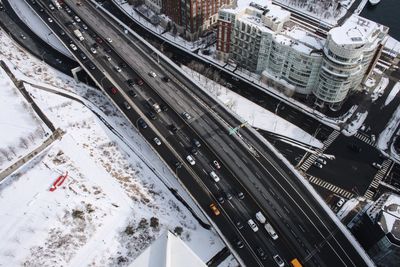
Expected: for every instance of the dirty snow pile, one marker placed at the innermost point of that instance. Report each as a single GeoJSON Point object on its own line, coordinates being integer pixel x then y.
{"type": "Point", "coordinates": [114, 201]}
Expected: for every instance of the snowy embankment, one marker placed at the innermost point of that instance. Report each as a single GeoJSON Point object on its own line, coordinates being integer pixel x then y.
{"type": "Point", "coordinates": [114, 201]}
{"type": "Point", "coordinates": [21, 129]}
{"type": "Point", "coordinates": [27, 15]}
{"type": "Point", "coordinates": [254, 114]}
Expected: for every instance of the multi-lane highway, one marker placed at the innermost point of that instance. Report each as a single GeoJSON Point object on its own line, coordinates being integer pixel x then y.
{"type": "Point", "coordinates": [119, 61]}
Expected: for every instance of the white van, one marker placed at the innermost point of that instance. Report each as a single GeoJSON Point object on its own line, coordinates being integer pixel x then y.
{"type": "Point", "coordinates": [260, 217]}
{"type": "Point", "coordinates": [271, 231]}
{"type": "Point", "coordinates": [214, 176]}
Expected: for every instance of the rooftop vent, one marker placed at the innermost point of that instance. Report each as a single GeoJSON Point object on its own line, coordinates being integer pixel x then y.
{"type": "Point", "coordinates": [356, 39]}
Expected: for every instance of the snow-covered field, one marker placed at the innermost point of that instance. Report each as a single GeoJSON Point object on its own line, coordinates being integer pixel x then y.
{"type": "Point", "coordinates": [114, 201]}
{"type": "Point", "coordinates": [21, 129]}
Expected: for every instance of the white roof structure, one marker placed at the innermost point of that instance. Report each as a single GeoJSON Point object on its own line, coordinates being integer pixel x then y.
{"type": "Point", "coordinates": [356, 30]}
{"type": "Point", "coordinates": [386, 210]}
{"type": "Point", "coordinates": [168, 251]}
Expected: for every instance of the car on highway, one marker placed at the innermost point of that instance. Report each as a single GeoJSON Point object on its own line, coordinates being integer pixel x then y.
{"type": "Point", "coordinates": [239, 225]}
{"type": "Point", "coordinates": [127, 106]}
{"type": "Point", "coordinates": [261, 253]}
{"type": "Point", "coordinates": [93, 50]}
{"type": "Point", "coordinates": [139, 81]}
{"type": "Point", "coordinates": [130, 82]}
{"type": "Point", "coordinates": [164, 107]}
{"type": "Point", "coordinates": [113, 90]}
{"type": "Point", "coordinates": [73, 47]}
{"type": "Point", "coordinates": [214, 176]}
{"type": "Point", "coordinates": [321, 160]}
{"type": "Point", "coordinates": [68, 10]}
{"type": "Point", "coordinates": [49, 20]}
{"type": "Point", "coordinates": [214, 209]}
{"type": "Point", "coordinates": [62, 33]}
{"type": "Point", "coordinates": [268, 227]}
{"type": "Point", "coordinates": [191, 160]}
{"type": "Point", "coordinates": [95, 45]}
{"type": "Point", "coordinates": [107, 49]}
{"type": "Point", "coordinates": [228, 195]}
{"type": "Point", "coordinates": [173, 128]}
{"type": "Point", "coordinates": [122, 65]}
{"type": "Point", "coordinates": [142, 123]}
{"type": "Point", "coordinates": [220, 199]}
{"type": "Point", "coordinates": [84, 26]}
{"type": "Point", "coordinates": [92, 66]}
{"type": "Point", "coordinates": [157, 141]}
{"type": "Point", "coordinates": [178, 164]}
{"type": "Point", "coordinates": [152, 115]}
{"type": "Point", "coordinates": [51, 7]}
{"type": "Point", "coordinates": [240, 195]}
{"type": "Point", "coordinates": [196, 142]}
{"type": "Point", "coordinates": [82, 55]}
{"type": "Point", "coordinates": [260, 217]}
{"type": "Point", "coordinates": [22, 36]}
{"type": "Point", "coordinates": [216, 164]}
{"type": "Point", "coordinates": [239, 243]}
{"type": "Point", "coordinates": [166, 79]}
{"type": "Point", "coordinates": [317, 164]}
{"type": "Point", "coordinates": [279, 260]}
{"type": "Point", "coordinates": [152, 74]}
{"type": "Point", "coordinates": [194, 151]}
{"type": "Point", "coordinates": [99, 40]}
{"type": "Point", "coordinates": [340, 202]}
{"type": "Point", "coordinates": [132, 93]}
{"type": "Point", "coordinates": [186, 115]}
{"type": "Point", "coordinates": [77, 19]}
{"type": "Point", "coordinates": [109, 39]}
{"type": "Point", "coordinates": [377, 165]}
{"type": "Point", "coordinates": [117, 69]}
{"type": "Point", "coordinates": [107, 57]}
{"type": "Point", "coordinates": [252, 225]}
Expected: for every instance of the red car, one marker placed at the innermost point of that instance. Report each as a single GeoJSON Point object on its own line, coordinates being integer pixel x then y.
{"type": "Point", "coordinates": [99, 40]}
{"type": "Point", "coordinates": [113, 90]}
{"type": "Point", "coordinates": [139, 81]}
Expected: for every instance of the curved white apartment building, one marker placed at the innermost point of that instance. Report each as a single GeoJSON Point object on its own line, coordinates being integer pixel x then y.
{"type": "Point", "coordinates": [265, 41]}
{"type": "Point", "coordinates": [348, 56]}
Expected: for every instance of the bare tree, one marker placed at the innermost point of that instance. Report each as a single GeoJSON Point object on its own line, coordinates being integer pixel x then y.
{"type": "Point", "coordinates": [12, 150]}
{"type": "Point", "coordinates": [5, 153]}
{"type": "Point", "coordinates": [23, 142]}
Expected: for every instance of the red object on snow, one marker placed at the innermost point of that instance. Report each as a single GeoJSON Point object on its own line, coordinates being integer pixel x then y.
{"type": "Point", "coordinates": [58, 182]}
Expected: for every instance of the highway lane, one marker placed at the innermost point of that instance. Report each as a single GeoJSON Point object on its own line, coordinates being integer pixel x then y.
{"type": "Point", "coordinates": [117, 98]}
{"type": "Point", "coordinates": [328, 243]}
{"type": "Point", "coordinates": [245, 162]}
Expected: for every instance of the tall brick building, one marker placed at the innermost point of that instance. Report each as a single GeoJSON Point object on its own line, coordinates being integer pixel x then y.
{"type": "Point", "coordinates": [192, 17]}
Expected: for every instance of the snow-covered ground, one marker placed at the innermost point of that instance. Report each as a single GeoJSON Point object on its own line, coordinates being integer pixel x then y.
{"type": "Point", "coordinates": [114, 201]}
{"type": "Point", "coordinates": [21, 129]}
{"type": "Point", "coordinates": [254, 114]}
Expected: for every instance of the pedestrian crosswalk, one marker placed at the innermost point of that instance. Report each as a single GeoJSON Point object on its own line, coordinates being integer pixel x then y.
{"type": "Point", "coordinates": [312, 157]}
{"type": "Point", "coordinates": [369, 194]}
{"type": "Point", "coordinates": [332, 188]}
{"type": "Point", "coordinates": [364, 138]}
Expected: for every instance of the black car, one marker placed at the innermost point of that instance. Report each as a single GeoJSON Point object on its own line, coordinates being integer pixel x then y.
{"type": "Point", "coordinates": [142, 123]}
{"type": "Point", "coordinates": [239, 243]}
{"type": "Point", "coordinates": [132, 93]}
{"type": "Point", "coordinates": [107, 49]}
{"type": "Point", "coordinates": [261, 253]}
{"type": "Point", "coordinates": [130, 82]}
{"type": "Point", "coordinates": [122, 65]}
{"type": "Point", "coordinates": [178, 164]}
{"type": "Point", "coordinates": [228, 195]}
{"type": "Point", "coordinates": [173, 128]}
{"type": "Point", "coordinates": [220, 199]}
{"type": "Point", "coordinates": [95, 45]}
{"type": "Point", "coordinates": [239, 225]}
{"type": "Point", "coordinates": [166, 79]}
{"type": "Point", "coordinates": [196, 142]}
{"type": "Point", "coordinates": [92, 66]}
{"type": "Point", "coordinates": [194, 151]}
{"type": "Point", "coordinates": [164, 107]}
{"type": "Point", "coordinates": [62, 32]}
{"type": "Point", "coordinates": [82, 55]}
{"type": "Point", "coordinates": [152, 115]}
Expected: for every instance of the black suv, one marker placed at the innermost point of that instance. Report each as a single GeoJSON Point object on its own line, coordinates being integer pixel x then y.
{"type": "Point", "coordinates": [142, 123]}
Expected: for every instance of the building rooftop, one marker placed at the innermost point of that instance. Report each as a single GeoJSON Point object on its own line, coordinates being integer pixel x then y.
{"type": "Point", "coordinates": [390, 219]}
{"type": "Point", "coordinates": [301, 40]}
{"type": "Point", "coordinates": [355, 30]}
{"type": "Point", "coordinates": [168, 251]}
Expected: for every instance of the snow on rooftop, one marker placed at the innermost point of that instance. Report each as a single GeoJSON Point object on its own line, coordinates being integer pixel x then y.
{"type": "Point", "coordinates": [310, 40]}
{"type": "Point", "coordinates": [390, 219]}
{"type": "Point", "coordinates": [168, 251]}
{"type": "Point", "coordinates": [355, 30]}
